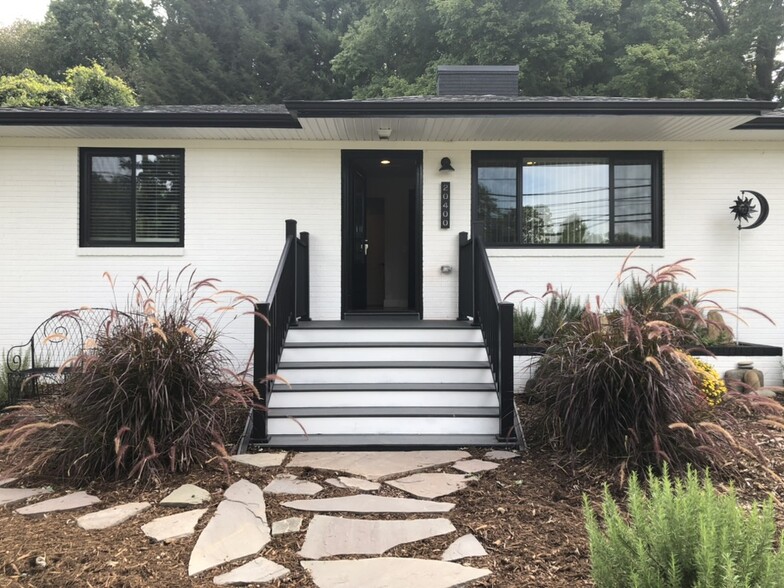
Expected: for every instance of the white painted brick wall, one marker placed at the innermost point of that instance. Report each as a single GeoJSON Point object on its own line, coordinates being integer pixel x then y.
{"type": "Point", "coordinates": [238, 195]}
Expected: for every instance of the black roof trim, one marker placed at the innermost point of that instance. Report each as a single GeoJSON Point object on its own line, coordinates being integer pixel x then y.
{"type": "Point", "coordinates": [762, 123]}
{"type": "Point", "coordinates": [61, 118]}
{"type": "Point", "coordinates": [487, 106]}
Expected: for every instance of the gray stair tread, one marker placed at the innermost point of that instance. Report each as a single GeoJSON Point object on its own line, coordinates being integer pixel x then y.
{"type": "Point", "coordinates": [360, 345]}
{"type": "Point", "coordinates": [384, 411]}
{"type": "Point", "coordinates": [308, 365]}
{"type": "Point", "coordinates": [366, 442]}
{"type": "Point", "coordinates": [385, 387]}
{"type": "Point", "coordinates": [384, 323]}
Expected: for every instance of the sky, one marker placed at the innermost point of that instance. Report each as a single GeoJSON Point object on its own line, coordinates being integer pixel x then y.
{"type": "Point", "coordinates": [11, 10]}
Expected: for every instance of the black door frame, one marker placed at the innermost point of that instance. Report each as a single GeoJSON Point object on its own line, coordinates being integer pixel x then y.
{"type": "Point", "coordinates": [415, 272]}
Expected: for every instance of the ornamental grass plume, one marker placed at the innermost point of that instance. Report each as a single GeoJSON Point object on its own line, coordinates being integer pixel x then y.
{"type": "Point", "coordinates": [619, 385]}
{"type": "Point", "coordinates": [156, 393]}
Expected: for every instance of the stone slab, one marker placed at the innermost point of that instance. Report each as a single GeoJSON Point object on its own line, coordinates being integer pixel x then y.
{"type": "Point", "coordinates": [187, 495]}
{"type": "Point", "coordinates": [431, 485]}
{"type": "Point", "coordinates": [375, 465]}
{"type": "Point", "coordinates": [260, 460]}
{"type": "Point", "coordinates": [174, 526]}
{"type": "Point", "coordinates": [368, 503]}
{"type": "Point", "coordinates": [111, 517]}
{"type": "Point", "coordinates": [238, 529]}
{"type": "Point", "coordinates": [6, 481]}
{"type": "Point", "coordinates": [12, 495]}
{"type": "Point", "coordinates": [254, 572]}
{"type": "Point", "coordinates": [473, 466]}
{"type": "Point", "coordinates": [329, 536]}
{"type": "Point", "coordinates": [465, 546]}
{"type": "Point", "coordinates": [353, 484]}
{"type": "Point", "coordinates": [291, 525]}
{"type": "Point", "coordinates": [68, 502]}
{"type": "Point", "coordinates": [292, 485]}
{"type": "Point", "coordinates": [392, 572]}
{"type": "Point", "coordinates": [499, 455]}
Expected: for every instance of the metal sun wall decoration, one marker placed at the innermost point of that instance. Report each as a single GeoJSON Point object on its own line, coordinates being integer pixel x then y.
{"type": "Point", "coordinates": [744, 210]}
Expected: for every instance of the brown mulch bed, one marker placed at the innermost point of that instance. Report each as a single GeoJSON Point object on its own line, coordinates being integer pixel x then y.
{"type": "Point", "coordinates": [527, 514]}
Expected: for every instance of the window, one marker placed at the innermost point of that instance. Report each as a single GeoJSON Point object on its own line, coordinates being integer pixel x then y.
{"type": "Point", "coordinates": [131, 198]}
{"type": "Point", "coordinates": [572, 199]}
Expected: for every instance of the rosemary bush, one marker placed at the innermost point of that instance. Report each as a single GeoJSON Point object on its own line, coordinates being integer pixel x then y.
{"type": "Point", "coordinates": [154, 394]}
{"type": "Point", "coordinates": [683, 534]}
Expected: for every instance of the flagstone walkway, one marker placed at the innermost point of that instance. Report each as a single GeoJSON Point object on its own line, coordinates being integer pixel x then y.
{"type": "Point", "coordinates": [237, 530]}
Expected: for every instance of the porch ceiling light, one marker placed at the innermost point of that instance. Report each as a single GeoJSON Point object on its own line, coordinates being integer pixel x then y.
{"type": "Point", "coordinates": [385, 162]}
{"type": "Point", "coordinates": [446, 165]}
{"type": "Point", "coordinates": [384, 134]}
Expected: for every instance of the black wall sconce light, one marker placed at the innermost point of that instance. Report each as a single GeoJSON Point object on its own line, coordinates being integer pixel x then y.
{"type": "Point", "coordinates": [446, 165]}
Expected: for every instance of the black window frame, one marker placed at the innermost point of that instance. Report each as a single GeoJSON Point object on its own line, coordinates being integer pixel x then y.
{"type": "Point", "coordinates": [85, 174]}
{"type": "Point", "coordinates": [657, 204]}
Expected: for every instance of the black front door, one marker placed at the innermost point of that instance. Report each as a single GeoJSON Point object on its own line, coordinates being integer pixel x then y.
{"type": "Point", "coordinates": [359, 243]}
{"type": "Point", "coordinates": [382, 232]}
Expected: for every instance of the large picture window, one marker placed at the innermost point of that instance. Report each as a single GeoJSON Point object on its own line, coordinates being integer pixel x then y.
{"type": "Point", "coordinates": [131, 198]}
{"type": "Point", "coordinates": [568, 199]}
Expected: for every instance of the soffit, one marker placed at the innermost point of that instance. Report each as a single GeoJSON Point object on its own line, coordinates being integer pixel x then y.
{"type": "Point", "coordinates": [564, 128]}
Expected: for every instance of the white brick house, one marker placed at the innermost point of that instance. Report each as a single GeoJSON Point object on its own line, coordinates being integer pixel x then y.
{"type": "Point", "coordinates": [247, 169]}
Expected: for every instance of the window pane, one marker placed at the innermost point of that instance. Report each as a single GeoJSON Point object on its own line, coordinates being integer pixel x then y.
{"type": "Point", "coordinates": [633, 198]}
{"type": "Point", "coordinates": [566, 200]}
{"type": "Point", "coordinates": [158, 198]}
{"type": "Point", "coordinates": [111, 199]}
{"type": "Point", "coordinates": [497, 200]}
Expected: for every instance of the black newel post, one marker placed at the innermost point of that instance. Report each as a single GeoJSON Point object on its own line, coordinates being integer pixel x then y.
{"type": "Point", "coordinates": [261, 334]}
{"type": "Point", "coordinates": [506, 371]}
{"type": "Point", "coordinates": [303, 287]}
{"type": "Point", "coordinates": [465, 278]}
{"type": "Point", "coordinates": [291, 232]}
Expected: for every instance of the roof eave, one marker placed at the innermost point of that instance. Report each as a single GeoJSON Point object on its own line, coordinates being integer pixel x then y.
{"type": "Point", "coordinates": [148, 119]}
{"type": "Point", "coordinates": [349, 109]}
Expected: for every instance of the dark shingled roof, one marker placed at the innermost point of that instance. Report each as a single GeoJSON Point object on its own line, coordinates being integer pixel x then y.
{"type": "Point", "coordinates": [201, 115]}
{"type": "Point", "coordinates": [285, 115]}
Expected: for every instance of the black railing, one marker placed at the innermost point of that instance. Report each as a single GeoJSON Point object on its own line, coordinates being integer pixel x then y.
{"type": "Point", "coordinates": [287, 303]}
{"type": "Point", "coordinates": [478, 298]}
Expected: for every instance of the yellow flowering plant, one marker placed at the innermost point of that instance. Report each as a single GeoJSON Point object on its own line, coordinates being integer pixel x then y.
{"type": "Point", "coordinates": [710, 382]}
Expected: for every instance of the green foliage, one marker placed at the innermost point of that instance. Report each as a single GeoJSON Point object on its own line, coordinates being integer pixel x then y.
{"type": "Point", "coordinates": [83, 86]}
{"type": "Point", "coordinates": [90, 86]}
{"type": "Point", "coordinates": [154, 394]}
{"type": "Point", "coordinates": [25, 363]}
{"type": "Point", "coordinates": [22, 47]}
{"type": "Point", "coordinates": [619, 386]}
{"type": "Point", "coordinates": [31, 89]}
{"type": "Point", "coordinates": [683, 534]}
{"type": "Point", "coordinates": [558, 310]}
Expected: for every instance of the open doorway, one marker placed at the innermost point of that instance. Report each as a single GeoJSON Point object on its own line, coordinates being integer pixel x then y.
{"type": "Point", "coordinates": [382, 233]}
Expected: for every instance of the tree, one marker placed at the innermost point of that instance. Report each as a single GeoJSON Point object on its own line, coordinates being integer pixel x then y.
{"type": "Point", "coordinates": [83, 86]}
{"type": "Point", "coordinates": [738, 55]}
{"type": "Point", "coordinates": [21, 47]}
{"type": "Point", "coordinates": [91, 86]}
{"type": "Point", "coordinates": [115, 33]}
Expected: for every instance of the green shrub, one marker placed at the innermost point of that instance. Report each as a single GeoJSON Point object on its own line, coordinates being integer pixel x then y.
{"type": "Point", "coordinates": [558, 309]}
{"type": "Point", "coordinates": [154, 394]}
{"type": "Point", "coordinates": [683, 534]}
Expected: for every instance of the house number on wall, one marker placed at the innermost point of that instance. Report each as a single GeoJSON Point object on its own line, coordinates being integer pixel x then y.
{"type": "Point", "coordinates": [445, 189]}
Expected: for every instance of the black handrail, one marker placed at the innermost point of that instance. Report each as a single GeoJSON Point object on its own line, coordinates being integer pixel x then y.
{"type": "Point", "coordinates": [287, 303]}
{"type": "Point", "coordinates": [478, 297]}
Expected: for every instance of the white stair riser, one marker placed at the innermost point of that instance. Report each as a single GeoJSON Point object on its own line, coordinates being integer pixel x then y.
{"type": "Point", "coordinates": [387, 376]}
{"type": "Point", "coordinates": [282, 398]}
{"type": "Point", "coordinates": [383, 426]}
{"type": "Point", "coordinates": [331, 354]}
{"type": "Point", "coordinates": [384, 336]}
